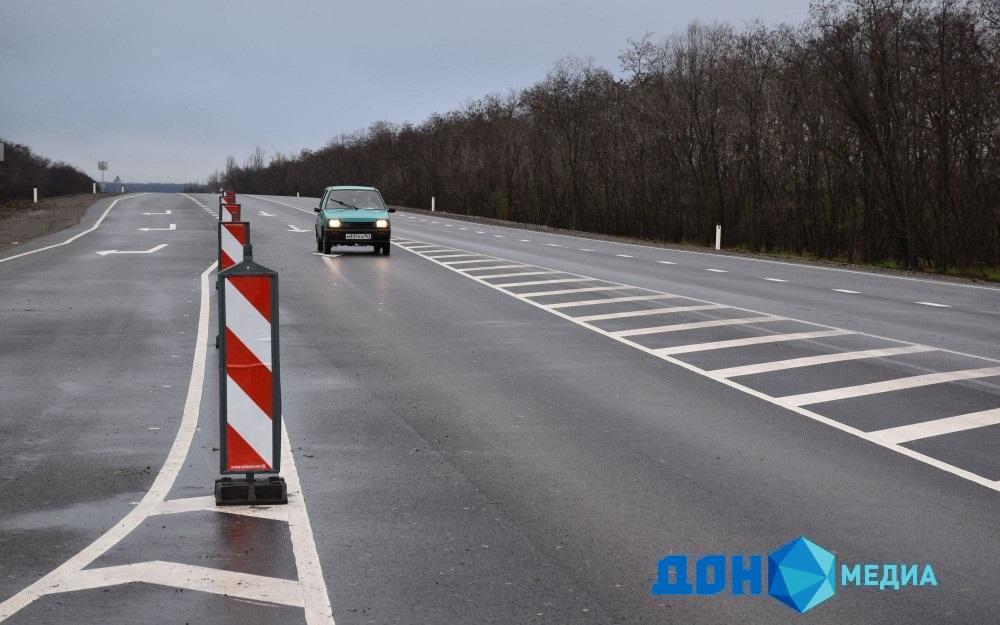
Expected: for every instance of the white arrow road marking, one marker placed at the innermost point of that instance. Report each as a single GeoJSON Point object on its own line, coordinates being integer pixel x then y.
{"type": "Point", "coordinates": [172, 227]}
{"type": "Point", "coordinates": [166, 212]}
{"type": "Point", "coordinates": [151, 250]}
{"type": "Point", "coordinates": [292, 228]}
{"type": "Point", "coordinates": [96, 225]}
{"type": "Point", "coordinates": [265, 214]}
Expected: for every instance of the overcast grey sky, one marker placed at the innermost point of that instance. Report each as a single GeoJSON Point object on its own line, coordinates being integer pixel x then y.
{"type": "Point", "coordinates": [165, 90]}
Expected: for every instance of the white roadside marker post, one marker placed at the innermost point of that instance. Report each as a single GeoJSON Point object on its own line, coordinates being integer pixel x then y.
{"type": "Point", "coordinates": [718, 236]}
{"type": "Point", "coordinates": [34, 195]}
{"type": "Point", "coordinates": [432, 203]}
{"type": "Point", "coordinates": [93, 189]}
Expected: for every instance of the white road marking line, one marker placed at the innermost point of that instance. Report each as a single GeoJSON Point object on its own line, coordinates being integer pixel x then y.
{"type": "Point", "coordinates": [157, 492]}
{"type": "Point", "coordinates": [568, 291]}
{"type": "Point", "coordinates": [848, 291]}
{"type": "Point", "coordinates": [466, 229]}
{"type": "Point", "coordinates": [934, 304]}
{"type": "Point", "coordinates": [75, 236]}
{"type": "Point", "coordinates": [508, 285]}
{"type": "Point", "coordinates": [815, 416]}
{"type": "Point", "coordinates": [491, 267]}
{"type": "Point", "coordinates": [499, 236]}
{"type": "Point", "coordinates": [775, 280]}
{"type": "Point", "coordinates": [753, 340]}
{"type": "Point", "coordinates": [666, 262]}
{"type": "Point", "coordinates": [307, 564]}
{"type": "Point", "coordinates": [648, 312]}
{"type": "Point", "coordinates": [152, 250]}
{"type": "Point", "coordinates": [525, 240]}
{"type": "Point", "coordinates": [207, 504]}
{"type": "Point", "coordinates": [810, 361]}
{"type": "Point", "coordinates": [424, 247]}
{"type": "Point", "coordinates": [697, 325]}
{"type": "Point", "coordinates": [898, 384]}
{"type": "Point", "coordinates": [937, 427]}
{"type": "Point", "coordinates": [517, 273]}
{"type": "Point", "coordinates": [469, 262]}
{"type": "Point", "coordinates": [190, 577]}
{"type": "Point", "coordinates": [166, 212]}
{"type": "Point", "coordinates": [611, 300]}
{"type": "Point", "coordinates": [455, 256]}
{"type": "Point", "coordinates": [293, 228]}
{"type": "Point", "coordinates": [480, 232]}
{"type": "Point", "coordinates": [624, 256]}
{"type": "Point", "coordinates": [584, 249]}
{"type": "Point", "coordinates": [308, 591]}
{"type": "Point", "coordinates": [449, 225]}
{"type": "Point", "coordinates": [263, 214]}
{"type": "Point", "coordinates": [717, 270]}
{"type": "Point", "coordinates": [552, 245]}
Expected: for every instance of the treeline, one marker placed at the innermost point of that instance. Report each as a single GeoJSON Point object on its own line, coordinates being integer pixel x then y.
{"type": "Point", "coordinates": [871, 133]}
{"type": "Point", "coordinates": [21, 170]}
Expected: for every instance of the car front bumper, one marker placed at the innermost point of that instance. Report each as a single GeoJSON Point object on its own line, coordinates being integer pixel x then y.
{"type": "Point", "coordinates": [350, 236]}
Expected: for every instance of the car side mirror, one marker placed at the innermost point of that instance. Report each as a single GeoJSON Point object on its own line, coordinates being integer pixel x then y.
{"type": "Point", "coordinates": [391, 210]}
{"type": "Point", "coordinates": [316, 210]}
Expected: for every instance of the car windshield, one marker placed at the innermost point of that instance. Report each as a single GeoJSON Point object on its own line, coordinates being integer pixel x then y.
{"type": "Point", "coordinates": [355, 198]}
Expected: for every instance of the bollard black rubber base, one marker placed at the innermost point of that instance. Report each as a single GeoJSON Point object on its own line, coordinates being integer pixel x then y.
{"type": "Point", "coordinates": [256, 492]}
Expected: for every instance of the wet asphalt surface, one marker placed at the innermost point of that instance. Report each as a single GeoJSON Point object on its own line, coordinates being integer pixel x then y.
{"type": "Point", "coordinates": [466, 457]}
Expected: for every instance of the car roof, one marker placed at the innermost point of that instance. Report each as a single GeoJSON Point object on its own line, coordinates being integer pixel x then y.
{"type": "Point", "coordinates": [351, 188]}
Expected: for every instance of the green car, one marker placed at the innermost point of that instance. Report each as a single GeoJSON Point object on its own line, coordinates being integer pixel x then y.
{"type": "Point", "coordinates": [352, 216]}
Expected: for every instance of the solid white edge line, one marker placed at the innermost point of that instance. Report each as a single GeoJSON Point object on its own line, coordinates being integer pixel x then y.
{"type": "Point", "coordinates": [53, 581]}
{"type": "Point", "coordinates": [837, 425]}
{"type": "Point", "coordinates": [78, 234]}
{"type": "Point", "coordinates": [315, 597]}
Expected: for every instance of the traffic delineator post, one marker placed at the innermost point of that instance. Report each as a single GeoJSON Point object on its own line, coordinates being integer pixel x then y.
{"type": "Point", "coordinates": [233, 235]}
{"type": "Point", "coordinates": [250, 388]}
{"type": "Point", "coordinates": [229, 212]}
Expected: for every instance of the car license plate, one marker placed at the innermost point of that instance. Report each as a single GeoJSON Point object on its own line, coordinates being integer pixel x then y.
{"type": "Point", "coordinates": [366, 235]}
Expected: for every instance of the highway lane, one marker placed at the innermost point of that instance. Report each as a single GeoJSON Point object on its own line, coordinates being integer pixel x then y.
{"type": "Point", "coordinates": [604, 458]}
{"type": "Point", "coordinates": [470, 453]}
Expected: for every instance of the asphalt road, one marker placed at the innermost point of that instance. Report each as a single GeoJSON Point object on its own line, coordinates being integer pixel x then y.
{"type": "Point", "coordinates": [471, 450]}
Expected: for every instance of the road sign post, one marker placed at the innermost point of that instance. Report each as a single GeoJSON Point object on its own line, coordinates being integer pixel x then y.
{"type": "Point", "coordinates": [250, 388]}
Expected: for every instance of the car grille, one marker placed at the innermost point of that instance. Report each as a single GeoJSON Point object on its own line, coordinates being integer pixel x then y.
{"type": "Point", "coordinates": [363, 225]}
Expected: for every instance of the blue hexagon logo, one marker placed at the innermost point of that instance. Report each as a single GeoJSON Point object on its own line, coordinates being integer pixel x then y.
{"type": "Point", "coordinates": [801, 574]}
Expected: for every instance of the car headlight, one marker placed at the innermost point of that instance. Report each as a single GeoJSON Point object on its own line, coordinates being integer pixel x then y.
{"type": "Point", "coordinates": [333, 223]}
{"type": "Point", "coordinates": [382, 223]}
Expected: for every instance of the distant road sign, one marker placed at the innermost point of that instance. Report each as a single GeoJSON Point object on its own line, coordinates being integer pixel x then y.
{"type": "Point", "coordinates": [102, 165]}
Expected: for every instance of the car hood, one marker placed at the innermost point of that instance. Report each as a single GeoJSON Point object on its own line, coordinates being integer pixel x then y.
{"type": "Point", "coordinates": [349, 215]}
